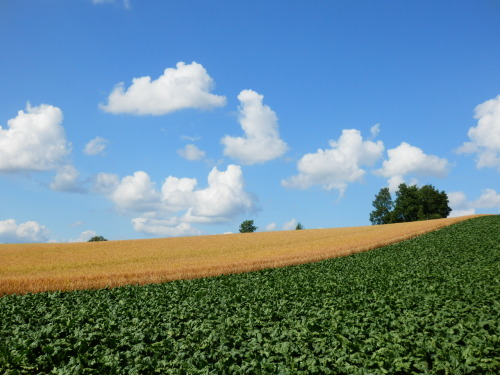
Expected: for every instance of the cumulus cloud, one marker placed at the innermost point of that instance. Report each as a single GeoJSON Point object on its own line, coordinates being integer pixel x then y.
{"type": "Point", "coordinates": [172, 209]}
{"type": "Point", "coordinates": [171, 227]}
{"type": "Point", "coordinates": [336, 167]}
{"type": "Point", "coordinates": [488, 199]}
{"type": "Point", "coordinates": [186, 86]}
{"type": "Point", "coordinates": [66, 179]}
{"type": "Point", "coordinates": [178, 194]}
{"type": "Point", "coordinates": [374, 130]}
{"type": "Point", "coordinates": [410, 160]}
{"type": "Point", "coordinates": [460, 206]}
{"type": "Point", "coordinates": [136, 193]}
{"type": "Point", "coordinates": [290, 225]}
{"type": "Point", "coordinates": [105, 183]}
{"type": "Point", "coordinates": [485, 137]}
{"type": "Point", "coordinates": [261, 141]}
{"type": "Point", "coordinates": [223, 199]}
{"type": "Point", "coordinates": [457, 201]}
{"type": "Point", "coordinates": [30, 231]}
{"type": "Point", "coordinates": [96, 146]}
{"type": "Point", "coordinates": [271, 227]}
{"type": "Point", "coordinates": [34, 140]}
{"type": "Point", "coordinates": [84, 236]}
{"type": "Point", "coordinates": [191, 152]}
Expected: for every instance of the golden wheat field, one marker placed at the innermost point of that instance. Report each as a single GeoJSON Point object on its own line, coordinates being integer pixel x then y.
{"type": "Point", "coordinates": [89, 265]}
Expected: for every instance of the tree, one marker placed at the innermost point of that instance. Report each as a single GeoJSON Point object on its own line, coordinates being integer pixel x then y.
{"type": "Point", "coordinates": [97, 239]}
{"type": "Point", "coordinates": [383, 207]}
{"type": "Point", "coordinates": [411, 204]}
{"type": "Point", "coordinates": [247, 227]}
{"type": "Point", "coordinates": [299, 226]}
{"type": "Point", "coordinates": [407, 204]}
{"type": "Point", "coordinates": [433, 203]}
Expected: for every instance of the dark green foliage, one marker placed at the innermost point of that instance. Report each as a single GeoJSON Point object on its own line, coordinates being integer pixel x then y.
{"type": "Point", "coordinates": [247, 227]}
{"type": "Point", "coordinates": [383, 208]}
{"type": "Point", "coordinates": [299, 226]}
{"type": "Point", "coordinates": [407, 204]}
{"type": "Point", "coordinates": [411, 204]}
{"type": "Point", "coordinates": [97, 238]}
{"type": "Point", "coordinates": [433, 204]}
{"type": "Point", "coordinates": [430, 305]}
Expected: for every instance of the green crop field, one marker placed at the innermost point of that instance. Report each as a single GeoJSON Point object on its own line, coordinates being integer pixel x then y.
{"type": "Point", "coordinates": [427, 305]}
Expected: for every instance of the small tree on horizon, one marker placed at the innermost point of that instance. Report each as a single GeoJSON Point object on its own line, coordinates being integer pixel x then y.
{"type": "Point", "coordinates": [247, 227]}
{"type": "Point", "coordinates": [299, 226]}
{"type": "Point", "coordinates": [97, 239]}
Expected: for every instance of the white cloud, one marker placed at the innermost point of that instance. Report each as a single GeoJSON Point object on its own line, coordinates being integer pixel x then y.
{"type": "Point", "coordinates": [394, 182]}
{"type": "Point", "coordinates": [488, 199]}
{"type": "Point", "coordinates": [30, 231]}
{"type": "Point", "coordinates": [85, 236]}
{"type": "Point", "coordinates": [460, 206]}
{"type": "Point", "coordinates": [262, 141]}
{"type": "Point", "coordinates": [485, 137]}
{"type": "Point", "coordinates": [66, 179]}
{"type": "Point", "coordinates": [172, 210]}
{"type": "Point", "coordinates": [290, 225]}
{"type": "Point", "coordinates": [410, 160]}
{"type": "Point", "coordinates": [456, 198]}
{"type": "Point", "coordinates": [375, 130]}
{"type": "Point", "coordinates": [190, 138]}
{"type": "Point", "coordinates": [223, 199]}
{"type": "Point", "coordinates": [191, 152]}
{"type": "Point", "coordinates": [105, 183]}
{"type": "Point", "coordinates": [458, 213]}
{"type": "Point", "coordinates": [177, 194]}
{"type": "Point", "coordinates": [271, 227]}
{"type": "Point", "coordinates": [34, 140]}
{"type": "Point", "coordinates": [186, 86]}
{"type": "Point", "coordinates": [171, 227]}
{"type": "Point", "coordinates": [338, 166]}
{"type": "Point", "coordinates": [136, 193]}
{"type": "Point", "coordinates": [96, 146]}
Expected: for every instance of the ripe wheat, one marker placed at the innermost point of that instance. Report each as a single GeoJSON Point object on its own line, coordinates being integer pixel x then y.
{"type": "Point", "coordinates": [90, 265]}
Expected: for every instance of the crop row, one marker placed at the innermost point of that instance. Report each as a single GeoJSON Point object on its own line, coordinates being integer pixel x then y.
{"type": "Point", "coordinates": [46, 267]}
{"type": "Point", "coordinates": [426, 305]}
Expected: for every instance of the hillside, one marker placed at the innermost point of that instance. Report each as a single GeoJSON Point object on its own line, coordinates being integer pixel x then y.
{"type": "Point", "coordinates": [427, 305]}
{"type": "Point", "coordinates": [70, 266]}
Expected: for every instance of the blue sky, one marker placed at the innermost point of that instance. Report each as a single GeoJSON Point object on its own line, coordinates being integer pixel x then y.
{"type": "Point", "coordinates": [138, 119]}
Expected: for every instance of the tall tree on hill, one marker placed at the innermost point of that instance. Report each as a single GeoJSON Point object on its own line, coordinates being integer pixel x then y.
{"type": "Point", "coordinates": [411, 204]}
{"type": "Point", "coordinates": [383, 207]}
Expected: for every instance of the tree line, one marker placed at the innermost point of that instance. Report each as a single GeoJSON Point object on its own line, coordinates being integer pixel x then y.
{"type": "Point", "coordinates": [411, 204]}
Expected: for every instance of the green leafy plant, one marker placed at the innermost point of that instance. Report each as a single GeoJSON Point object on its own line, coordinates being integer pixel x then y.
{"type": "Point", "coordinates": [428, 305]}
